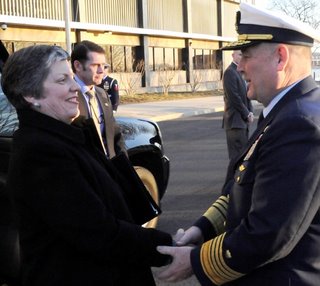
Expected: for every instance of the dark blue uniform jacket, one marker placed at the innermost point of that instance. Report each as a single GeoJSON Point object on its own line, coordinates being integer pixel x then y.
{"type": "Point", "coordinates": [271, 201]}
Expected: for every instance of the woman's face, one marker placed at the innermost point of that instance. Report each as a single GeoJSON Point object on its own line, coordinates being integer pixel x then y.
{"type": "Point", "coordinates": [60, 93]}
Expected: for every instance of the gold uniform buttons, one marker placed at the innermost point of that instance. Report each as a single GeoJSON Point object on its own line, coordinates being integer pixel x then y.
{"type": "Point", "coordinates": [242, 167]}
{"type": "Point", "coordinates": [228, 254]}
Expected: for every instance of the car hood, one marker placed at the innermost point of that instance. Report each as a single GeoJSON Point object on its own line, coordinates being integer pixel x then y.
{"type": "Point", "coordinates": [137, 132]}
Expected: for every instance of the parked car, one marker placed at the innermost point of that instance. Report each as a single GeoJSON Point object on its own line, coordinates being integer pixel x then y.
{"type": "Point", "coordinates": [144, 145]}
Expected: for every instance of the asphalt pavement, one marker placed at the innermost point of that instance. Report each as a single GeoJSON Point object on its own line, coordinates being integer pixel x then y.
{"type": "Point", "coordinates": [169, 110]}
{"type": "Point", "coordinates": [173, 109]}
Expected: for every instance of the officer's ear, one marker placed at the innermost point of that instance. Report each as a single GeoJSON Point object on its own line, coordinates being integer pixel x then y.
{"type": "Point", "coordinates": [282, 54]}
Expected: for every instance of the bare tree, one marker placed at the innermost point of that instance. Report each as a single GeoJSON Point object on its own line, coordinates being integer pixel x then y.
{"type": "Point", "coordinates": [197, 77]}
{"type": "Point", "coordinates": [307, 11]}
{"type": "Point", "coordinates": [131, 81]}
{"type": "Point", "coordinates": [166, 75]}
{"type": "Point", "coordinates": [130, 71]}
{"type": "Point", "coordinates": [304, 10]}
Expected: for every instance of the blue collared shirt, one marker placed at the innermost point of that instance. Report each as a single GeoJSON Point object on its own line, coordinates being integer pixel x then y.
{"type": "Point", "coordinates": [276, 99]}
{"type": "Point", "coordinates": [84, 90]}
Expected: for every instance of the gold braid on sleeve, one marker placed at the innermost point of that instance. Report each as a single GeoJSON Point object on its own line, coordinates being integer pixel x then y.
{"type": "Point", "coordinates": [216, 214]}
{"type": "Point", "coordinates": [213, 260]}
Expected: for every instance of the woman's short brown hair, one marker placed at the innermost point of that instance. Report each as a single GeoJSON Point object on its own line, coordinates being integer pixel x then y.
{"type": "Point", "coordinates": [26, 70]}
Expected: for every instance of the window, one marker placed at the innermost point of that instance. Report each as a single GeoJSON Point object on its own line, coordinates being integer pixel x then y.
{"type": "Point", "coordinates": [158, 58]}
{"type": "Point", "coordinates": [15, 46]}
{"type": "Point", "coordinates": [165, 58]}
{"type": "Point", "coordinates": [204, 59]}
{"type": "Point", "coordinates": [197, 59]}
{"type": "Point", "coordinates": [121, 58]}
{"type": "Point", "coordinates": [117, 58]}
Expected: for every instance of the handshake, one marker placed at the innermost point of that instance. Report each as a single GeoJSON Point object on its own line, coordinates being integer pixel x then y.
{"type": "Point", "coordinates": [180, 267]}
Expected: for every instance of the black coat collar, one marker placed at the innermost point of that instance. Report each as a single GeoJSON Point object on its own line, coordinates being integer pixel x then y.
{"type": "Point", "coordinates": [30, 118]}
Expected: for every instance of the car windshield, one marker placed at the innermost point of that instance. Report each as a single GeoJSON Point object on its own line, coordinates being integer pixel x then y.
{"type": "Point", "coordinates": [8, 116]}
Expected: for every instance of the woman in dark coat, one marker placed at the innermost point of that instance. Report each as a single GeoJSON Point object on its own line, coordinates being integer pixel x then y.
{"type": "Point", "coordinates": [75, 227]}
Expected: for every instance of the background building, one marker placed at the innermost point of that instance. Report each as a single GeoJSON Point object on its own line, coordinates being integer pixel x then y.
{"type": "Point", "coordinates": [150, 44]}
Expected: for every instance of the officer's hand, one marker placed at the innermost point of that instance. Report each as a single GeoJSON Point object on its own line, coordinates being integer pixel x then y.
{"type": "Point", "coordinates": [176, 237]}
{"type": "Point", "coordinates": [192, 235]}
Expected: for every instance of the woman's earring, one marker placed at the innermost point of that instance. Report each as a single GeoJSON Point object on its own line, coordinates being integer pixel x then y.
{"type": "Point", "coordinates": [36, 104]}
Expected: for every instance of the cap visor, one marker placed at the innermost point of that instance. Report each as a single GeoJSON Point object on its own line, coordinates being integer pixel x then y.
{"type": "Point", "coordinates": [238, 45]}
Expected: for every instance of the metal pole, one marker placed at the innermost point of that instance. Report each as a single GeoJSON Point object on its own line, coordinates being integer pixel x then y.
{"type": "Point", "coordinates": [67, 25]}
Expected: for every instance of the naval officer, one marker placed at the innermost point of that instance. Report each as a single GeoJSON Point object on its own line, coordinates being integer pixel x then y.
{"type": "Point", "coordinates": [264, 229]}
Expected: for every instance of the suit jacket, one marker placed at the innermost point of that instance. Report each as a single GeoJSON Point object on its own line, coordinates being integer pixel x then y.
{"type": "Point", "coordinates": [272, 231]}
{"type": "Point", "coordinates": [75, 227]}
{"type": "Point", "coordinates": [112, 133]}
{"type": "Point", "coordinates": [237, 105]}
{"type": "Point", "coordinates": [110, 86]}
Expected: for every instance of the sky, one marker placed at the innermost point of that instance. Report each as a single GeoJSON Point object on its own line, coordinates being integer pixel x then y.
{"type": "Point", "coordinates": [262, 3]}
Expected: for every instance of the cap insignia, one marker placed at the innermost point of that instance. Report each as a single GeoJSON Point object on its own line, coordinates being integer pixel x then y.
{"type": "Point", "coordinates": [255, 37]}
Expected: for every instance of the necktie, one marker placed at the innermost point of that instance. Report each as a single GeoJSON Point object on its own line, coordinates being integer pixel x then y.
{"type": "Point", "coordinates": [261, 117]}
{"type": "Point", "coordinates": [95, 114]}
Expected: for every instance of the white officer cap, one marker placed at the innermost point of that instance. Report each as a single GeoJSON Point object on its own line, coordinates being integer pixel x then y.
{"type": "Point", "coordinates": [255, 25]}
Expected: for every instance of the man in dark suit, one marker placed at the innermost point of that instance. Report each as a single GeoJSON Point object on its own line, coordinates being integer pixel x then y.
{"type": "Point", "coordinates": [88, 61]}
{"type": "Point", "coordinates": [264, 229]}
{"type": "Point", "coordinates": [111, 87]}
{"type": "Point", "coordinates": [237, 108]}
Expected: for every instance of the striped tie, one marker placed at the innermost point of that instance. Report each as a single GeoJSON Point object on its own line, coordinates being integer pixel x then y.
{"type": "Point", "coordinates": [95, 114]}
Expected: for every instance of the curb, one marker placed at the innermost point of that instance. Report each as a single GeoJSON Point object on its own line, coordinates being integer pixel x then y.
{"type": "Point", "coordinates": [172, 116]}
{"type": "Point", "coordinates": [162, 112]}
